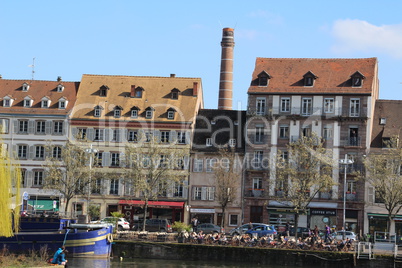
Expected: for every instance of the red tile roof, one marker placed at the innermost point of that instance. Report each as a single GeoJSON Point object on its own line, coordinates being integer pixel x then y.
{"type": "Point", "coordinates": [37, 90]}
{"type": "Point", "coordinates": [333, 75]}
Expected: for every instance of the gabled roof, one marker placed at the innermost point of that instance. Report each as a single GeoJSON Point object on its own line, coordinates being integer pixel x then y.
{"type": "Point", "coordinates": [334, 75]}
{"type": "Point", "coordinates": [37, 89]}
{"type": "Point", "coordinates": [156, 94]}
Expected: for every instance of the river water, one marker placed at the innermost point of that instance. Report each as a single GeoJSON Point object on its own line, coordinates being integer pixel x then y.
{"type": "Point", "coordinates": [154, 263]}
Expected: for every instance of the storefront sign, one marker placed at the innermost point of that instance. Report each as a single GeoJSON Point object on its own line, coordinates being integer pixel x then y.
{"type": "Point", "coordinates": [322, 212]}
{"type": "Point", "coordinates": [202, 210]}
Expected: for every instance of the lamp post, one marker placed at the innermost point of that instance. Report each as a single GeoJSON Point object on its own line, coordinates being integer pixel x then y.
{"type": "Point", "coordinates": [345, 162]}
{"type": "Point", "coordinates": [90, 151]}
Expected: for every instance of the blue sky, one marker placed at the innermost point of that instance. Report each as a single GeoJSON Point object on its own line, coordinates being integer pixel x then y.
{"type": "Point", "coordinates": [157, 38]}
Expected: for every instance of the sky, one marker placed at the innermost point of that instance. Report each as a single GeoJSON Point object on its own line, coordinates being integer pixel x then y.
{"type": "Point", "coordinates": [159, 38]}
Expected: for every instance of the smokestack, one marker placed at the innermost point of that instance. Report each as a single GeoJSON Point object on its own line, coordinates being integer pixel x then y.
{"type": "Point", "coordinates": [226, 76]}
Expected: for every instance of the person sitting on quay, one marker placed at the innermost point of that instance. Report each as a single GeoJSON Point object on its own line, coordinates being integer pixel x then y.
{"type": "Point", "coordinates": [60, 257]}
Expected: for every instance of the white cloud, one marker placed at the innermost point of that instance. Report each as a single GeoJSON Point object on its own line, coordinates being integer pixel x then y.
{"type": "Point", "coordinates": [358, 35]}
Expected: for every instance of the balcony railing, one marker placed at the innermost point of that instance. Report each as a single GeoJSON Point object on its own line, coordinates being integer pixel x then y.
{"type": "Point", "coordinates": [351, 141]}
{"type": "Point", "coordinates": [255, 192]}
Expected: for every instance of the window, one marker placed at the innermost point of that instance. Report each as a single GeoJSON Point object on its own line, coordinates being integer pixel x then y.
{"type": "Point", "coordinates": [38, 177]}
{"type": "Point", "coordinates": [57, 152]}
{"type": "Point", "coordinates": [357, 81]}
{"type": "Point", "coordinates": [132, 136]}
{"type": "Point", "coordinates": [175, 94]}
{"type": "Point", "coordinates": [45, 103]}
{"type": "Point", "coordinates": [81, 133]}
{"type": "Point", "coordinates": [258, 159]}
{"type": "Point", "coordinates": [261, 105]}
{"type": "Point", "coordinates": [170, 115]}
{"type": "Point", "coordinates": [39, 152]}
{"type": "Point", "coordinates": [210, 164]}
{"type": "Point", "coordinates": [23, 174]}
{"type": "Point", "coordinates": [163, 161]}
{"type": "Point", "coordinates": [117, 112]}
{"type": "Point", "coordinates": [4, 125]}
{"type": "Point", "coordinates": [62, 104]}
{"type": "Point", "coordinates": [233, 220]}
{"type": "Point", "coordinates": [99, 134]}
{"type": "Point", "coordinates": [60, 88]}
{"type": "Point", "coordinates": [23, 126]}
{"type": "Point", "coordinates": [351, 187]}
{"type": "Point", "coordinates": [259, 134]}
{"type": "Point", "coordinates": [307, 106]}
{"type": "Point", "coordinates": [97, 186]}
{"type": "Point", "coordinates": [22, 151]}
{"type": "Point", "coordinates": [204, 193]}
{"type": "Point", "coordinates": [308, 81]}
{"type": "Point", "coordinates": [58, 127]}
{"type": "Point", "coordinates": [178, 189]}
{"type": "Point", "coordinates": [149, 113]}
{"type": "Point", "coordinates": [7, 101]}
{"type": "Point", "coordinates": [284, 132]}
{"type": "Point", "coordinates": [98, 159]}
{"type": "Point", "coordinates": [134, 113]}
{"type": "Point", "coordinates": [40, 127]}
{"type": "Point", "coordinates": [208, 142]}
{"type": "Point", "coordinates": [263, 79]}
{"type": "Point", "coordinates": [25, 87]}
{"type": "Point", "coordinates": [285, 155]}
{"type": "Point", "coordinates": [103, 91]}
{"type": "Point", "coordinates": [165, 135]}
{"type": "Point", "coordinates": [98, 111]}
{"type": "Point", "coordinates": [329, 105]}
{"type": "Point", "coordinates": [198, 165]}
{"type": "Point", "coordinates": [138, 92]}
{"type": "Point", "coordinates": [181, 138]}
{"type": "Point", "coordinates": [306, 131]}
{"type": "Point", "coordinates": [232, 142]}
{"type": "Point", "coordinates": [27, 102]}
{"type": "Point", "coordinates": [148, 136]}
{"type": "Point", "coordinates": [257, 183]}
{"type": "Point", "coordinates": [115, 157]}
{"type": "Point", "coordinates": [114, 186]}
{"type": "Point", "coordinates": [327, 133]}
{"type": "Point", "coordinates": [354, 107]}
{"type": "Point", "coordinates": [285, 105]}
{"type": "Point", "coordinates": [116, 135]}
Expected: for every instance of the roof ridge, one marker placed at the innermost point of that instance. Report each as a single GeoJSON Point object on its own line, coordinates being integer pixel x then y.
{"type": "Point", "coordinates": [120, 75]}
{"type": "Point", "coordinates": [317, 58]}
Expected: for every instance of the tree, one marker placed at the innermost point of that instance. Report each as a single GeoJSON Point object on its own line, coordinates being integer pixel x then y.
{"type": "Point", "coordinates": [154, 168]}
{"type": "Point", "coordinates": [306, 172]}
{"type": "Point", "coordinates": [68, 172]}
{"type": "Point", "coordinates": [227, 179]}
{"type": "Point", "coordinates": [384, 173]}
{"type": "Point", "coordinates": [10, 181]}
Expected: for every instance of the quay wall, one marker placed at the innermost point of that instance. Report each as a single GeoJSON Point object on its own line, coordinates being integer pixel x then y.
{"type": "Point", "coordinates": [250, 255]}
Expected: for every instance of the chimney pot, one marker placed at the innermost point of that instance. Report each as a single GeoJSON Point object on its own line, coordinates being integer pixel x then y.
{"type": "Point", "coordinates": [58, 78]}
{"type": "Point", "coordinates": [132, 92]}
{"type": "Point", "coordinates": [172, 75]}
{"type": "Point", "coordinates": [195, 89]}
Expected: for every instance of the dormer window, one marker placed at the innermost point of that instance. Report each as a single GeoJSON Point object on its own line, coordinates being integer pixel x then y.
{"type": "Point", "coordinates": [149, 112]}
{"type": "Point", "coordinates": [25, 87]}
{"type": "Point", "coordinates": [103, 91]}
{"type": "Point", "coordinates": [117, 111]}
{"type": "Point", "coordinates": [63, 103]}
{"type": "Point", "coordinates": [45, 102]}
{"type": "Point", "coordinates": [60, 88]}
{"type": "Point", "coordinates": [98, 111]}
{"type": "Point", "coordinates": [7, 101]}
{"type": "Point", "coordinates": [134, 112]}
{"type": "Point", "coordinates": [27, 101]}
{"type": "Point", "coordinates": [357, 79]}
{"type": "Point", "coordinates": [170, 113]}
{"type": "Point", "coordinates": [309, 79]}
{"type": "Point", "coordinates": [263, 79]}
{"type": "Point", "coordinates": [174, 94]}
{"type": "Point", "coordinates": [138, 92]}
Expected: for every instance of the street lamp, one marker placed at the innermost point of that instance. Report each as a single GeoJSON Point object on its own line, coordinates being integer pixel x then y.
{"type": "Point", "coordinates": [345, 162]}
{"type": "Point", "coordinates": [90, 151]}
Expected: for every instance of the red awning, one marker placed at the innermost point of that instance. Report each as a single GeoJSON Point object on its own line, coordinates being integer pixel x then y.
{"type": "Point", "coordinates": [154, 204]}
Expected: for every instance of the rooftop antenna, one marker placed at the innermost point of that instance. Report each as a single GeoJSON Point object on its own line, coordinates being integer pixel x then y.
{"type": "Point", "coordinates": [33, 68]}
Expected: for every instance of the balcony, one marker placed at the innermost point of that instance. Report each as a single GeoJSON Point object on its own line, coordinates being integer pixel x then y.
{"type": "Point", "coordinates": [255, 192]}
{"type": "Point", "coordinates": [351, 141]}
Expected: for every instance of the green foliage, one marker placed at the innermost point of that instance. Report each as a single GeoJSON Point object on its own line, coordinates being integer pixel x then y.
{"type": "Point", "coordinates": [179, 227]}
{"type": "Point", "coordinates": [94, 212]}
{"type": "Point", "coordinates": [117, 214]}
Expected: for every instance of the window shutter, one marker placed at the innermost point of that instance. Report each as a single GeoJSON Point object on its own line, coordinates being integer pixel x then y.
{"type": "Point", "coordinates": [157, 135]}
{"type": "Point", "coordinates": [204, 193]}
{"type": "Point", "coordinates": [31, 152]}
{"type": "Point", "coordinates": [64, 126]}
{"type": "Point", "coordinates": [185, 189]}
{"type": "Point", "coordinates": [122, 160]}
{"type": "Point", "coordinates": [29, 178]}
{"type": "Point", "coordinates": [370, 195]}
{"type": "Point", "coordinates": [194, 191]}
{"type": "Point", "coordinates": [15, 151]}
{"type": "Point", "coordinates": [106, 159]}
{"type": "Point", "coordinates": [31, 126]}
{"type": "Point", "coordinates": [74, 132]}
{"type": "Point", "coordinates": [15, 122]}
{"type": "Point", "coordinates": [121, 135]}
{"type": "Point", "coordinates": [48, 125]}
{"type": "Point", "coordinates": [108, 132]}
{"type": "Point", "coordinates": [90, 134]}
{"type": "Point", "coordinates": [173, 136]}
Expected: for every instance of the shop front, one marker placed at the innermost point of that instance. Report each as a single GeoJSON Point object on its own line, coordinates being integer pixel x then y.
{"type": "Point", "coordinates": [133, 210]}
{"type": "Point", "coordinates": [379, 223]}
{"type": "Point", "coordinates": [204, 215]}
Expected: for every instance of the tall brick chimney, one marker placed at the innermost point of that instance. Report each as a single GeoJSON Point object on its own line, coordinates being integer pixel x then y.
{"type": "Point", "coordinates": [226, 75]}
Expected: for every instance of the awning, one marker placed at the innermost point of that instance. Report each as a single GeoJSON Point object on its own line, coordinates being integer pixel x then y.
{"type": "Point", "coordinates": [153, 204]}
{"type": "Point", "coordinates": [43, 204]}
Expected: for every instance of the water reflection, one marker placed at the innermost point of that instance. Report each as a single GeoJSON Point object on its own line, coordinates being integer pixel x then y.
{"type": "Point", "coordinates": [153, 263]}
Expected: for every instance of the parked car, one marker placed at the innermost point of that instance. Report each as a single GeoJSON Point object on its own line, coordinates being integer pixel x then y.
{"type": "Point", "coordinates": [302, 232]}
{"type": "Point", "coordinates": [348, 234]}
{"type": "Point", "coordinates": [154, 225]}
{"type": "Point", "coordinates": [209, 228]}
{"type": "Point", "coordinates": [122, 223]}
{"type": "Point", "coordinates": [262, 230]}
{"type": "Point", "coordinates": [243, 228]}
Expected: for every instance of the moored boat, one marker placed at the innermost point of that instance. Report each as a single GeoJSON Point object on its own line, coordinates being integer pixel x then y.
{"type": "Point", "coordinates": [80, 239]}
